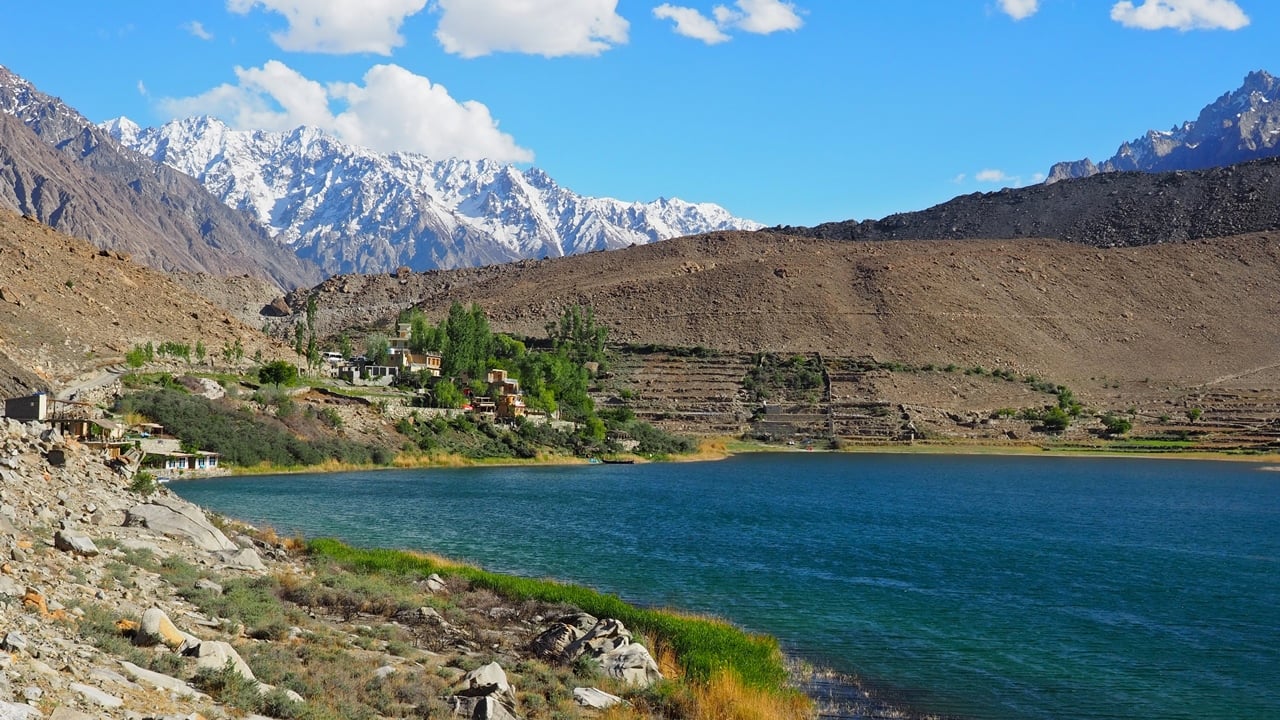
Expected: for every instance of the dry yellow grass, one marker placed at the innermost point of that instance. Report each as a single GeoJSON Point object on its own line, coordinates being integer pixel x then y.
{"type": "Point", "coordinates": [726, 697]}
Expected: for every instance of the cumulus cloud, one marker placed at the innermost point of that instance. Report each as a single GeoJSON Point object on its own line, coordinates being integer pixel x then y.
{"type": "Point", "coordinates": [761, 17]}
{"type": "Point", "coordinates": [1019, 9]}
{"type": "Point", "coordinates": [196, 28]}
{"type": "Point", "coordinates": [393, 110]}
{"type": "Point", "coordinates": [551, 28]}
{"type": "Point", "coordinates": [1180, 15]}
{"type": "Point", "coordinates": [337, 26]}
{"type": "Point", "coordinates": [692, 24]}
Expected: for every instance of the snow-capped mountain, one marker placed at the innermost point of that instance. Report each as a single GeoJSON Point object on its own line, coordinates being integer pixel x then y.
{"type": "Point", "coordinates": [355, 210]}
{"type": "Point", "coordinates": [1242, 125]}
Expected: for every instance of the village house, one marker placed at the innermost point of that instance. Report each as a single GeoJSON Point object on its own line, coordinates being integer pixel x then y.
{"type": "Point", "coordinates": [26, 409]}
{"type": "Point", "coordinates": [182, 462]}
{"type": "Point", "coordinates": [509, 403]}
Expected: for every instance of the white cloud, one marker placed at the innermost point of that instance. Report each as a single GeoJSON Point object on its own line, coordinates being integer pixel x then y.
{"type": "Point", "coordinates": [761, 17]}
{"type": "Point", "coordinates": [1038, 177]}
{"type": "Point", "coordinates": [959, 178]}
{"type": "Point", "coordinates": [394, 110]}
{"type": "Point", "coordinates": [337, 26]}
{"type": "Point", "coordinates": [993, 176]}
{"type": "Point", "coordinates": [551, 28]}
{"type": "Point", "coordinates": [195, 27]}
{"type": "Point", "coordinates": [1180, 15]}
{"type": "Point", "coordinates": [692, 24]}
{"type": "Point", "coordinates": [142, 88]}
{"type": "Point", "coordinates": [1020, 9]}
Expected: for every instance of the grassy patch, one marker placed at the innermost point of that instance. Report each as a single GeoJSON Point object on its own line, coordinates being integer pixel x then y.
{"type": "Point", "coordinates": [705, 647]}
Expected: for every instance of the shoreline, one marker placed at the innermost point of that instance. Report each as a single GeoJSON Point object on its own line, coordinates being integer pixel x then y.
{"type": "Point", "coordinates": [717, 448]}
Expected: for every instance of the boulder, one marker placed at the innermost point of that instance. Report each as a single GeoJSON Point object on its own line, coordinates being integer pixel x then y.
{"type": "Point", "coordinates": [157, 628]}
{"type": "Point", "coordinates": [96, 696]}
{"type": "Point", "coordinates": [243, 559]}
{"type": "Point", "coordinates": [595, 699]}
{"type": "Point", "coordinates": [480, 708]}
{"type": "Point", "coordinates": [277, 308]}
{"type": "Point", "coordinates": [436, 584]}
{"type": "Point", "coordinates": [159, 680]}
{"type": "Point", "coordinates": [17, 711]}
{"type": "Point", "coordinates": [74, 542]}
{"type": "Point", "coordinates": [631, 664]}
{"type": "Point", "coordinates": [215, 654]}
{"type": "Point", "coordinates": [178, 518]}
{"type": "Point", "coordinates": [607, 635]}
{"type": "Point", "coordinates": [551, 643]}
{"type": "Point", "coordinates": [488, 681]}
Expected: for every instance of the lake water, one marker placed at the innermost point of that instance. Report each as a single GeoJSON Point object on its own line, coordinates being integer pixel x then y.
{"type": "Point", "coordinates": [975, 587]}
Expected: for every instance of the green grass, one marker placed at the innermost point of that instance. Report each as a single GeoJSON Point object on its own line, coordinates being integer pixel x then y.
{"type": "Point", "coordinates": [702, 646]}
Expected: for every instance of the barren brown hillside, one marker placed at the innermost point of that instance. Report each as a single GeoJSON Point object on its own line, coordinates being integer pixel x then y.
{"type": "Point", "coordinates": [67, 308]}
{"type": "Point", "coordinates": [1153, 319]}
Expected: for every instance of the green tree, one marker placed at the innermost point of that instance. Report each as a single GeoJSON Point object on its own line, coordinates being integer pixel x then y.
{"type": "Point", "coordinates": [576, 332]}
{"type": "Point", "coordinates": [448, 395]}
{"type": "Point", "coordinates": [278, 372]}
{"type": "Point", "coordinates": [377, 349]}
{"type": "Point", "coordinates": [468, 341]}
{"type": "Point", "coordinates": [344, 345]}
{"type": "Point", "coordinates": [201, 351]}
{"type": "Point", "coordinates": [1055, 419]}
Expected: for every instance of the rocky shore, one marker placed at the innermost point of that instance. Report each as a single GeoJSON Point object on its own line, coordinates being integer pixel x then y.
{"type": "Point", "coordinates": [123, 601]}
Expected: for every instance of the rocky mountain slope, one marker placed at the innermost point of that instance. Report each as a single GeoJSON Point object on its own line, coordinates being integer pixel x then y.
{"type": "Point", "coordinates": [124, 602]}
{"type": "Point", "coordinates": [68, 308]}
{"type": "Point", "coordinates": [59, 168]}
{"type": "Point", "coordinates": [1242, 125]}
{"type": "Point", "coordinates": [352, 210]}
{"type": "Point", "coordinates": [1104, 210]}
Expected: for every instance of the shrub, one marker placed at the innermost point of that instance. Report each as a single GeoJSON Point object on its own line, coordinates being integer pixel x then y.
{"type": "Point", "coordinates": [1115, 424]}
{"type": "Point", "coordinates": [144, 483]}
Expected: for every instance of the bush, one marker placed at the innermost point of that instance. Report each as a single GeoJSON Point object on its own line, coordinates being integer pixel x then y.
{"type": "Point", "coordinates": [144, 483]}
{"type": "Point", "coordinates": [1115, 424]}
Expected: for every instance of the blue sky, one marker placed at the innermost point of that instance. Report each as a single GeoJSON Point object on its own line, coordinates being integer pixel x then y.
{"type": "Point", "coordinates": [784, 111]}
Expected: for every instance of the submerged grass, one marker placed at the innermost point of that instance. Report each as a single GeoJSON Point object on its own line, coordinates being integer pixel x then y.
{"type": "Point", "coordinates": [705, 648]}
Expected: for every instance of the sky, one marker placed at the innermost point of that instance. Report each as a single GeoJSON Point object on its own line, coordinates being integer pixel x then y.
{"type": "Point", "coordinates": [787, 112]}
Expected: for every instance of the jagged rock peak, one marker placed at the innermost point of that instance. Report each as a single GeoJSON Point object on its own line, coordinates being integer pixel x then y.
{"type": "Point", "coordinates": [1241, 125]}
{"type": "Point", "coordinates": [351, 209]}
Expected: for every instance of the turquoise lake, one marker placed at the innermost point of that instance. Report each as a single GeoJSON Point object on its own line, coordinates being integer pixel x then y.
{"type": "Point", "coordinates": [972, 587]}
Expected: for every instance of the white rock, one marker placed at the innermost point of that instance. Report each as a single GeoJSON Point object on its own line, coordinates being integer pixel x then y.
{"type": "Point", "coordinates": [595, 698]}
{"type": "Point", "coordinates": [97, 696]}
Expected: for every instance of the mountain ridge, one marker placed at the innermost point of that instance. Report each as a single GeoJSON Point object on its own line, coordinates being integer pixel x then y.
{"type": "Point", "coordinates": [61, 169]}
{"type": "Point", "coordinates": [1104, 210]}
{"type": "Point", "coordinates": [355, 210]}
{"type": "Point", "coordinates": [1241, 125]}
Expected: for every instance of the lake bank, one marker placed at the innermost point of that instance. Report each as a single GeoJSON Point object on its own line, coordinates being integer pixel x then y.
{"type": "Point", "coordinates": [925, 574]}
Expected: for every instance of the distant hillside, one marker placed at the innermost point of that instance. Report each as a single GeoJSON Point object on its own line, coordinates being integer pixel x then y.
{"type": "Point", "coordinates": [1105, 210]}
{"type": "Point", "coordinates": [62, 170]}
{"type": "Point", "coordinates": [351, 209]}
{"type": "Point", "coordinates": [1154, 318]}
{"type": "Point", "coordinates": [1240, 126]}
{"type": "Point", "coordinates": [67, 308]}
